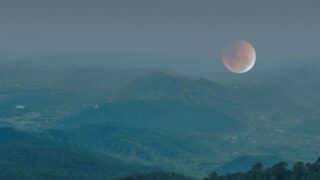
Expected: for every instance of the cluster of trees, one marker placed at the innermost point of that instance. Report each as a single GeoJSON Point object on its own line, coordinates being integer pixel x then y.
{"type": "Point", "coordinates": [157, 176]}
{"type": "Point", "coordinates": [279, 171]}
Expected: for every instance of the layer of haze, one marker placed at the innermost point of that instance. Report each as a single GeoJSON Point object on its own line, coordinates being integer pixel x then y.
{"type": "Point", "coordinates": [197, 29]}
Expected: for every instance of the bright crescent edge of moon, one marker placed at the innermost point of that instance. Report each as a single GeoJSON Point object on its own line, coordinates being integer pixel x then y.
{"type": "Point", "coordinates": [242, 44]}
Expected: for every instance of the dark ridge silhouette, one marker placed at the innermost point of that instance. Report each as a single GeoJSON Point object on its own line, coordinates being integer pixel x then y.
{"type": "Point", "coordinates": [279, 171]}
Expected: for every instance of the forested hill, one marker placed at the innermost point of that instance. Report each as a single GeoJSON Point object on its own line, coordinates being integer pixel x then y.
{"type": "Point", "coordinates": [279, 171]}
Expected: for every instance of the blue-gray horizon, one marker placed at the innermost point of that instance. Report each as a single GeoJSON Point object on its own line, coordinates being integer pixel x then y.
{"type": "Point", "coordinates": [278, 29]}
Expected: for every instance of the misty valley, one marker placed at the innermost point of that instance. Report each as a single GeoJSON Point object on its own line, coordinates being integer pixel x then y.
{"type": "Point", "coordinates": [87, 121]}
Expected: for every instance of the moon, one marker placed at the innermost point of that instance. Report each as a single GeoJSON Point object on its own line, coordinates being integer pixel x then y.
{"type": "Point", "coordinates": [239, 57]}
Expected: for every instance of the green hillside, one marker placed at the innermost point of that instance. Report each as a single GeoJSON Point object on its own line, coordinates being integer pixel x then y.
{"type": "Point", "coordinates": [28, 156]}
{"type": "Point", "coordinates": [159, 114]}
{"type": "Point", "coordinates": [160, 120]}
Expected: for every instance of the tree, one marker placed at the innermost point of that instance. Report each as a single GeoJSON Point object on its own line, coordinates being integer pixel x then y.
{"type": "Point", "coordinates": [256, 171]}
{"type": "Point", "coordinates": [299, 171]}
{"type": "Point", "coordinates": [213, 176]}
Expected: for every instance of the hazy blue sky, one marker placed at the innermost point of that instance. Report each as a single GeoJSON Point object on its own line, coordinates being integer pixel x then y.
{"type": "Point", "coordinates": [277, 28]}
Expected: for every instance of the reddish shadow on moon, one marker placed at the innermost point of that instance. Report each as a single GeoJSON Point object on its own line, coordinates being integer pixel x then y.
{"type": "Point", "coordinates": [239, 57]}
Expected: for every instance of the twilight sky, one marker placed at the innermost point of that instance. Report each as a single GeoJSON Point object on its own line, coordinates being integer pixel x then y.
{"type": "Point", "coordinates": [286, 28]}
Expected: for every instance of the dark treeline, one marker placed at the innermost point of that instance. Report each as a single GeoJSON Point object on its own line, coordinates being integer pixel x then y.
{"type": "Point", "coordinates": [279, 171]}
{"type": "Point", "coordinates": [157, 176]}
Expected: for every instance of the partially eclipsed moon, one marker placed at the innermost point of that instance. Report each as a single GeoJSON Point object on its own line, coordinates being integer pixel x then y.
{"type": "Point", "coordinates": [240, 57]}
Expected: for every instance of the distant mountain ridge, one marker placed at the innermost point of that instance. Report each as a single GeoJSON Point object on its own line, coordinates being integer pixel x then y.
{"type": "Point", "coordinates": [160, 114]}
{"type": "Point", "coordinates": [165, 120]}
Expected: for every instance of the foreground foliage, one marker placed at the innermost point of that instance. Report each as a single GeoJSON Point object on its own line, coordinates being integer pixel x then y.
{"type": "Point", "coordinates": [279, 171]}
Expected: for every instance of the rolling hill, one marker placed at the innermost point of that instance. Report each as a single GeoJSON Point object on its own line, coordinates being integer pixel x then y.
{"type": "Point", "coordinates": [159, 120]}
{"type": "Point", "coordinates": [28, 156]}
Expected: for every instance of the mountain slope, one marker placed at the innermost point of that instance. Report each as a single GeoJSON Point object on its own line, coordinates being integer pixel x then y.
{"type": "Point", "coordinates": [27, 156]}
{"type": "Point", "coordinates": [162, 86]}
{"type": "Point", "coordinates": [158, 114]}
{"type": "Point", "coordinates": [154, 148]}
